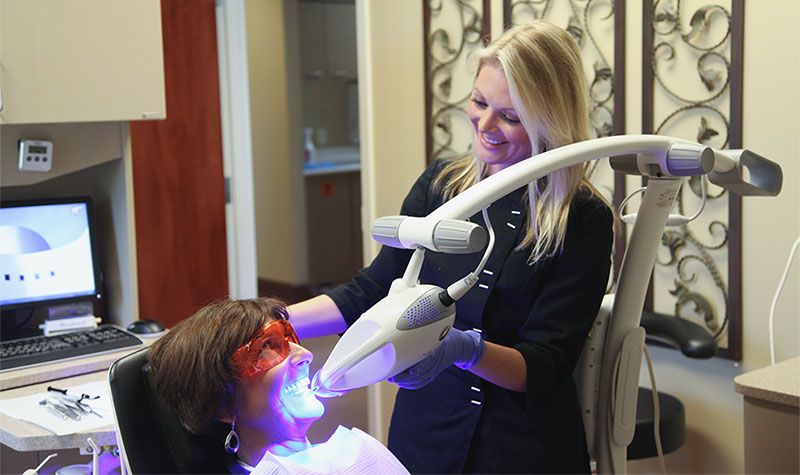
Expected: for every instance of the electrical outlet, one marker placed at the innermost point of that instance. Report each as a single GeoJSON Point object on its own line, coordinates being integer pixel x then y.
{"type": "Point", "coordinates": [35, 155]}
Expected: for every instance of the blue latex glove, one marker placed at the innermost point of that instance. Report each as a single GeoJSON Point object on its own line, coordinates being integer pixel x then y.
{"type": "Point", "coordinates": [461, 348]}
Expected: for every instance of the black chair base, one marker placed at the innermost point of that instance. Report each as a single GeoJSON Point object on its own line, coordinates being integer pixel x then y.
{"type": "Point", "coordinates": [672, 425]}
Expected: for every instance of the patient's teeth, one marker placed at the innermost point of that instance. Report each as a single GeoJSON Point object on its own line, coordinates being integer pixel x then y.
{"type": "Point", "coordinates": [298, 386]}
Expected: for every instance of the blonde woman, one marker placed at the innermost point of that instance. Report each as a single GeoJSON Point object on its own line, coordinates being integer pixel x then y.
{"type": "Point", "coordinates": [498, 395]}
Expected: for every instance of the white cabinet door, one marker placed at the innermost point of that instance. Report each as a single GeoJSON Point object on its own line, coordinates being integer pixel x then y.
{"type": "Point", "coordinates": [312, 40]}
{"type": "Point", "coordinates": [81, 61]}
{"type": "Point", "coordinates": [340, 26]}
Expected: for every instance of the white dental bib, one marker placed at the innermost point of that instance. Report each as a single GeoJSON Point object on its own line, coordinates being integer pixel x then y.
{"type": "Point", "coordinates": [348, 451]}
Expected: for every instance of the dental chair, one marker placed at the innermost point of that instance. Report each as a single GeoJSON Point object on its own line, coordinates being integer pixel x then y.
{"type": "Point", "coordinates": [149, 435]}
{"type": "Point", "coordinates": [661, 330]}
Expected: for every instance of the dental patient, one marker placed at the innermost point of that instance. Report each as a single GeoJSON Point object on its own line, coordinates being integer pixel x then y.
{"type": "Point", "coordinates": [239, 362]}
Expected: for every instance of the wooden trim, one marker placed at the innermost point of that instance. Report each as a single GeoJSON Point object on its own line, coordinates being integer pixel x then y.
{"type": "Point", "coordinates": [737, 74]}
{"type": "Point", "coordinates": [647, 67]}
{"type": "Point", "coordinates": [506, 14]}
{"type": "Point", "coordinates": [619, 121]}
{"type": "Point", "coordinates": [288, 293]}
{"type": "Point", "coordinates": [179, 197]}
{"type": "Point", "coordinates": [426, 34]}
{"type": "Point", "coordinates": [647, 99]}
{"type": "Point", "coordinates": [734, 304]}
{"type": "Point", "coordinates": [486, 24]}
{"type": "Point", "coordinates": [619, 67]}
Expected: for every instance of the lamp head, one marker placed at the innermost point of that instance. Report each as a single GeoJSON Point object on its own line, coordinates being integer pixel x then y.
{"type": "Point", "coordinates": [396, 333]}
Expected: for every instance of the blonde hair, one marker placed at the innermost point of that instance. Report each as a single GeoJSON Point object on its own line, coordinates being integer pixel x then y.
{"type": "Point", "coordinates": [542, 65]}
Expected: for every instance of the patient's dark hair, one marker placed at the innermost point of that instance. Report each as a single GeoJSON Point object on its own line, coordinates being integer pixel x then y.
{"type": "Point", "coordinates": [191, 368]}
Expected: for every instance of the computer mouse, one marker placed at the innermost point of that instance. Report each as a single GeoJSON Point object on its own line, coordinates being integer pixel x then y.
{"type": "Point", "coordinates": [146, 327]}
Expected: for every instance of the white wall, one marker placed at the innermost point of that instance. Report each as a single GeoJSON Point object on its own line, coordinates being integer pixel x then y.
{"type": "Point", "coordinates": [277, 164]}
{"type": "Point", "coordinates": [392, 112]}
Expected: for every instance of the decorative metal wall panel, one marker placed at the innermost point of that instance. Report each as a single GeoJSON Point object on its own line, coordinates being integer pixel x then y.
{"type": "Point", "coordinates": [453, 29]}
{"type": "Point", "coordinates": [598, 27]}
{"type": "Point", "coordinates": [693, 89]}
{"type": "Point", "coordinates": [592, 24]}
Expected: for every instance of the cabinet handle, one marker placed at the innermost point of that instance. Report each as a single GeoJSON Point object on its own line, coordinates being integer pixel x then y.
{"type": "Point", "coordinates": [314, 73]}
{"type": "Point", "coordinates": [339, 73]}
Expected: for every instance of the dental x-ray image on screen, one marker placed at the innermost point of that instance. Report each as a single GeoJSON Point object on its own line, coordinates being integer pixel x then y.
{"type": "Point", "coordinates": [46, 252]}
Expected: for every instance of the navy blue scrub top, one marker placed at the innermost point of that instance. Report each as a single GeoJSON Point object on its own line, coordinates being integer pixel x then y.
{"type": "Point", "coordinates": [460, 423]}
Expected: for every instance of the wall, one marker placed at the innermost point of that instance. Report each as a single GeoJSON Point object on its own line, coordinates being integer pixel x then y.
{"type": "Point", "coordinates": [277, 158]}
{"type": "Point", "coordinates": [769, 226]}
{"type": "Point", "coordinates": [392, 111]}
{"type": "Point", "coordinates": [88, 159]}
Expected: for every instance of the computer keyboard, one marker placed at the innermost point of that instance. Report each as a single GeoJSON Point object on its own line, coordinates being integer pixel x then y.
{"type": "Point", "coordinates": [38, 350]}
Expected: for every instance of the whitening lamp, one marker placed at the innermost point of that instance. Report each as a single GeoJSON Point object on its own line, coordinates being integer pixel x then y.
{"type": "Point", "coordinates": [413, 319]}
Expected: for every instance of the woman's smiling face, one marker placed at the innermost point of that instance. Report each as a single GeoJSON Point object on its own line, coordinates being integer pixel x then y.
{"type": "Point", "coordinates": [281, 396]}
{"type": "Point", "coordinates": [500, 138]}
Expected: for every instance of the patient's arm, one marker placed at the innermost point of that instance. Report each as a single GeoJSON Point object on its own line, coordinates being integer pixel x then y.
{"type": "Point", "coordinates": [318, 316]}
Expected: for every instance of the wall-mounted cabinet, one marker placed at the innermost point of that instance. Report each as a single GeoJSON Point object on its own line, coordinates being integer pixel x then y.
{"type": "Point", "coordinates": [328, 39]}
{"type": "Point", "coordinates": [81, 61]}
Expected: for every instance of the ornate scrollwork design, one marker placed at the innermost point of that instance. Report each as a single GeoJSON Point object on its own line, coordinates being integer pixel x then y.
{"type": "Point", "coordinates": [706, 37]}
{"type": "Point", "coordinates": [584, 17]}
{"type": "Point", "coordinates": [447, 50]}
{"type": "Point", "coordinates": [593, 25]}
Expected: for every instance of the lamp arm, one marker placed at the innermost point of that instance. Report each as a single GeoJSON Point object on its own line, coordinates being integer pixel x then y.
{"type": "Point", "coordinates": [651, 157]}
{"type": "Point", "coordinates": [740, 171]}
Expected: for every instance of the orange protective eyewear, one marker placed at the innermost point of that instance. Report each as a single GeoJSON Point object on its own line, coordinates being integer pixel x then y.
{"type": "Point", "coordinates": [265, 350]}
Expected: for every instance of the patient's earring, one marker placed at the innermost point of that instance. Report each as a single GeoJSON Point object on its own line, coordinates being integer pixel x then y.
{"type": "Point", "coordinates": [232, 440]}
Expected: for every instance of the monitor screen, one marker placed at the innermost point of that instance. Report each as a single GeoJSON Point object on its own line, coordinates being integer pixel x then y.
{"type": "Point", "coordinates": [46, 252]}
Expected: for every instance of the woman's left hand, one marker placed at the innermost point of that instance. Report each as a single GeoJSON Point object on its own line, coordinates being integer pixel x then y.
{"type": "Point", "coordinates": [462, 348]}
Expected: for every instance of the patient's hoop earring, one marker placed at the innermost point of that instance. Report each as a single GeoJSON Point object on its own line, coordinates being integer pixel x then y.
{"type": "Point", "coordinates": [232, 440]}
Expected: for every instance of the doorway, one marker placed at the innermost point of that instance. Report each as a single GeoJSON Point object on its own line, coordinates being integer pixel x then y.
{"type": "Point", "coordinates": [306, 163]}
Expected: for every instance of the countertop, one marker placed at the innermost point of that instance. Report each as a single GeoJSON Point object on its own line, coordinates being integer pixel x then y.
{"type": "Point", "coordinates": [334, 159]}
{"type": "Point", "coordinates": [779, 383]}
{"type": "Point", "coordinates": [66, 368]}
{"type": "Point", "coordinates": [24, 436]}
{"type": "Point", "coordinates": [329, 168]}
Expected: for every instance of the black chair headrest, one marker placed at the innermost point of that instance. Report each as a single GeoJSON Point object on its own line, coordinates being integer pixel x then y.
{"type": "Point", "coordinates": [153, 438]}
{"type": "Point", "coordinates": [191, 453]}
{"type": "Point", "coordinates": [691, 339]}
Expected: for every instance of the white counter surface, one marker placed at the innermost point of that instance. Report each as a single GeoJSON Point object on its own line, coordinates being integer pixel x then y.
{"type": "Point", "coordinates": [779, 383]}
{"type": "Point", "coordinates": [335, 159]}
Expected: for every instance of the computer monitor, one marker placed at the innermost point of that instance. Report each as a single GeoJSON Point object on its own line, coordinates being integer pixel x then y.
{"type": "Point", "coordinates": [47, 253]}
